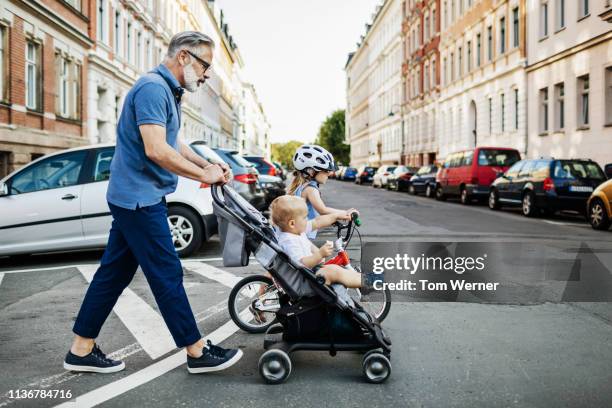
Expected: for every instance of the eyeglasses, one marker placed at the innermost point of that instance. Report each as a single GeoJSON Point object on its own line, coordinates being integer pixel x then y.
{"type": "Point", "coordinates": [205, 65]}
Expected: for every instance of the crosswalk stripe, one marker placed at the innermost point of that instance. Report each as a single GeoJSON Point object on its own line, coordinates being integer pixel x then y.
{"type": "Point", "coordinates": [1, 277]}
{"type": "Point", "coordinates": [116, 388]}
{"type": "Point", "coordinates": [210, 272]}
{"type": "Point", "coordinates": [145, 324]}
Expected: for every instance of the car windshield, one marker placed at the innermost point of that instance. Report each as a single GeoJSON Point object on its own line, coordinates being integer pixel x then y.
{"type": "Point", "coordinates": [241, 161]}
{"type": "Point", "coordinates": [207, 153]}
{"type": "Point", "coordinates": [390, 169]}
{"type": "Point", "coordinates": [425, 170]}
{"type": "Point", "coordinates": [495, 157]}
{"type": "Point", "coordinates": [400, 170]}
{"type": "Point", "coordinates": [566, 169]}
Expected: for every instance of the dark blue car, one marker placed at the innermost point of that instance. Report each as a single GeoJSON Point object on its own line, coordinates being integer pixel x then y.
{"type": "Point", "coordinates": [424, 181]}
{"type": "Point", "coordinates": [349, 174]}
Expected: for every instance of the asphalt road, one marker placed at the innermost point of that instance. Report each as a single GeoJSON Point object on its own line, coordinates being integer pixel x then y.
{"type": "Point", "coordinates": [546, 353]}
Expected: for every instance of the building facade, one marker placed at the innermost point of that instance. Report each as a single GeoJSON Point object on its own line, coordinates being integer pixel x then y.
{"type": "Point", "coordinates": [43, 64]}
{"type": "Point", "coordinates": [482, 98]}
{"type": "Point", "coordinates": [420, 70]}
{"type": "Point", "coordinates": [374, 90]}
{"type": "Point", "coordinates": [254, 126]}
{"type": "Point", "coordinates": [569, 77]}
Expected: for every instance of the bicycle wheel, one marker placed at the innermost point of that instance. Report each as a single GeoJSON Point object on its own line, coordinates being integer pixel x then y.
{"type": "Point", "coordinates": [253, 303]}
{"type": "Point", "coordinates": [377, 303]}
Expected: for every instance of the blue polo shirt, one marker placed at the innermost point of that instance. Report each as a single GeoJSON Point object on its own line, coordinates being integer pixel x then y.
{"type": "Point", "coordinates": [135, 180]}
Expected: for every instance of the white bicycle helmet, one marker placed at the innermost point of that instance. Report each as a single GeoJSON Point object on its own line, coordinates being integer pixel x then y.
{"type": "Point", "coordinates": [314, 157]}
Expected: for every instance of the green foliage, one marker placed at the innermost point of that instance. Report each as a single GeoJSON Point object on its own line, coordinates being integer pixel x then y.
{"type": "Point", "coordinates": [283, 152]}
{"type": "Point", "coordinates": [331, 137]}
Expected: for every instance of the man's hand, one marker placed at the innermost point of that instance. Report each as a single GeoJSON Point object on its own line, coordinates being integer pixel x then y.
{"type": "Point", "coordinates": [326, 249]}
{"type": "Point", "coordinates": [213, 174]}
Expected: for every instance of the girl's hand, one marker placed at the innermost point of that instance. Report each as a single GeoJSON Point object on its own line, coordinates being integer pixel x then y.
{"type": "Point", "coordinates": [351, 211]}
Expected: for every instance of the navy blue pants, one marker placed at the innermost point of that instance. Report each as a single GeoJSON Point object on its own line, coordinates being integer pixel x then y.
{"type": "Point", "coordinates": [139, 237]}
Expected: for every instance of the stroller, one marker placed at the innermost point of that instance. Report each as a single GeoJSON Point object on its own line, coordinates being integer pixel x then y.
{"type": "Point", "coordinates": [312, 316]}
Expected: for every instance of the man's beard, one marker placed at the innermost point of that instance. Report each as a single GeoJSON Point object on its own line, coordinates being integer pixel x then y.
{"type": "Point", "coordinates": [191, 78]}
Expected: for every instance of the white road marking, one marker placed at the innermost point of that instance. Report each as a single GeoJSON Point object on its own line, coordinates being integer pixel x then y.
{"type": "Point", "coordinates": [1, 277]}
{"type": "Point", "coordinates": [566, 224]}
{"type": "Point", "coordinates": [116, 388]}
{"type": "Point", "coordinates": [210, 272]}
{"type": "Point", "coordinates": [121, 354]}
{"type": "Point", "coordinates": [145, 324]}
{"type": "Point", "coordinates": [48, 268]}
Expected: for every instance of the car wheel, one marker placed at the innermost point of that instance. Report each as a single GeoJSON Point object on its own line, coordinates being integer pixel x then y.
{"type": "Point", "coordinates": [428, 191]}
{"type": "Point", "coordinates": [412, 190]}
{"type": "Point", "coordinates": [598, 216]}
{"type": "Point", "coordinates": [493, 200]}
{"type": "Point", "coordinates": [186, 230]}
{"type": "Point", "coordinates": [528, 205]}
{"type": "Point", "coordinates": [465, 197]}
{"type": "Point", "coordinates": [440, 193]}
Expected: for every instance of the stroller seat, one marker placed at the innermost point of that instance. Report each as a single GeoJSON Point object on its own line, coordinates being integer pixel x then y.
{"type": "Point", "coordinates": [315, 316]}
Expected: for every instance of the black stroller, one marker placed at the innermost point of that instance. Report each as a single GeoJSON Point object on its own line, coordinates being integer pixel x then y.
{"type": "Point", "coordinates": [312, 316]}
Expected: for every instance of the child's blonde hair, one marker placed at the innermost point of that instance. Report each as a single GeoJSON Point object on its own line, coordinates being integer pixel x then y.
{"type": "Point", "coordinates": [298, 179]}
{"type": "Point", "coordinates": [286, 208]}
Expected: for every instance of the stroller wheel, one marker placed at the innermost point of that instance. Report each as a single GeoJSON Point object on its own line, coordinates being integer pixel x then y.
{"type": "Point", "coordinates": [275, 366]}
{"type": "Point", "coordinates": [376, 367]}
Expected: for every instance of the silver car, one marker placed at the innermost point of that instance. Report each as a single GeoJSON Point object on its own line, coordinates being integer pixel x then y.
{"type": "Point", "coordinates": [58, 203]}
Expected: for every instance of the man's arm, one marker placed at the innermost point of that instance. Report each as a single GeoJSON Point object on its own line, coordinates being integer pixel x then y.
{"type": "Point", "coordinates": [156, 149]}
{"type": "Point", "coordinates": [192, 156]}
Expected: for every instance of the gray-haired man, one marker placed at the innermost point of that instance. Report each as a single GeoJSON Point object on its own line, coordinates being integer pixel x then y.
{"type": "Point", "coordinates": [147, 160]}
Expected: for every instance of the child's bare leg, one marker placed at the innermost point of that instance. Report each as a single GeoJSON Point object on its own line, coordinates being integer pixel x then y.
{"type": "Point", "coordinates": [338, 274]}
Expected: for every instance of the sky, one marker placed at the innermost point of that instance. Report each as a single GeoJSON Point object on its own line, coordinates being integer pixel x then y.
{"type": "Point", "coordinates": [294, 53]}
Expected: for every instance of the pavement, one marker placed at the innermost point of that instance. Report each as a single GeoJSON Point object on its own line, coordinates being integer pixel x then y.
{"type": "Point", "coordinates": [456, 354]}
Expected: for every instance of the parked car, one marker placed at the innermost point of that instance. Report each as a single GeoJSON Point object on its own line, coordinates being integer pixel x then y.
{"type": "Point", "coordinates": [262, 165]}
{"type": "Point", "coordinates": [546, 185]}
{"type": "Point", "coordinates": [599, 208]}
{"type": "Point", "coordinates": [365, 174]}
{"type": "Point", "coordinates": [424, 181]}
{"type": "Point", "coordinates": [469, 173]}
{"type": "Point", "coordinates": [608, 170]}
{"type": "Point", "coordinates": [381, 176]}
{"type": "Point", "coordinates": [246, 177]}
{"type": "Point", "coordinates": [399, 180]}
{"type": "Point", "coordinates": [280, 172]}
{"type": "Point", "coordinates": [58, 203]}
{"type": "Point", "coordinates": [272, 186]}
{"type": "Point", "coordinates": [349, 174]}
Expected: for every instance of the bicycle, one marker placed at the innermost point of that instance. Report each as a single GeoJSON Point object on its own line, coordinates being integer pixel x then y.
{"type": "Point", "coordinates": [262, 298]}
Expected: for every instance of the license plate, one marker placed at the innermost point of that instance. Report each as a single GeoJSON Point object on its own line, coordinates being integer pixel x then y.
{"type": "Point", "coordinates": [581, 189]}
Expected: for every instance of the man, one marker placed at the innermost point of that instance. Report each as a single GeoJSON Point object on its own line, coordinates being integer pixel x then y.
{"type": "Point", "coordinates": [147, 160]}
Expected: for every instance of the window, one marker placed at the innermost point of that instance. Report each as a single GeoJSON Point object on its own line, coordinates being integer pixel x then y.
{"type": "Point", "coordinates": [502, 35]}
{"type": "Point", "coordinates": [433, 22]}
{"type": "Point", "coordinates": [469, 56]}
{"type": "Point", "coordinates": [460, 54]}
{"type": "Point", "coordinates": [118, 35]}
{"type": "Point", "coordinates": [584, 8]}
{"type": "Point", "coordinates": [583, 101]}
{"type": "Point", "coordinates": [503, 112]}
{"type": "Point", "coordinates": [5, 158]}
{"type": "Point", "coordinates": [4, 78]}
{"type": "Point", "coordinates": [490, 43]}
{"type": "Point", "coordinates": [512, 172]}
{"type": "Point", "coordinates": [129, 42]}
{"type": "Point", "coordinates": [74, 3]}
{"type": "Point", "coordinates": [516, 109]}
{"type": "Point", "coordinates": [68, 82]}
{"type": "Point", "coordinates": [544, 18]}
{"type": "Point", "coordinates": [426, 28]}
{"type": "Point", "coordinates": [478, 50]}
{"type": "Point", "coordinates": [445, 74]}
{"type": "Point", "coordinates": [54, 172]}
{"type": "Point", "coordinates": [32, 77]}
{"type": "Point", "coordinates": [101, 29]}
{"type": "Point", "coordinates": [139, 50]}
{"type": "Point", "coordinates": [102, 167]}
{"type": "Point", "coordinates": [543, 110]}
{"type": "Point", "coordinates": [515, 27]}
{"type": "Point", "coordinates": [560, 5]}
{"type": "Point", "coordinates": [608, 92]}
{"type": "Point", "coordinates": [452, 66]}
{"type": "Point", "coordinates": [560, 106]}
{"type": "Point", "coordinates": [490, 115]}
{"type": "Point", "coordinates": [433, 72]}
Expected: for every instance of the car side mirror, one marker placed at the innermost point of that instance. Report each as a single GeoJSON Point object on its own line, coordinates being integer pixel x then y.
{"type": "Point", "coordinates": [3, 189]}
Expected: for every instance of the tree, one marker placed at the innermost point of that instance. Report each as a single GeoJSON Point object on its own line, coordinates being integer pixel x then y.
{"type": "Point", "coordinates": [283, 152]}
{"type": "Point", "coordinates": [331, 137]}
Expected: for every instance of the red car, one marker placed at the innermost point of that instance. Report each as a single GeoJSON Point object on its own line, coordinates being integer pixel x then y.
{"type": "Point", "coordinates": [469, 173]}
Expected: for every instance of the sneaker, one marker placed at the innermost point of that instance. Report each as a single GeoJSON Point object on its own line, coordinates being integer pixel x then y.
{"type": "Point", "coordinates": [94, 362]}
{"type": "Point", "coordinates": [213, 358]}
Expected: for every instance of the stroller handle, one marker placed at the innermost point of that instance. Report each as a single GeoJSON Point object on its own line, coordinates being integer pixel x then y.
{"type": "Point", "coordinates": [215, 194]}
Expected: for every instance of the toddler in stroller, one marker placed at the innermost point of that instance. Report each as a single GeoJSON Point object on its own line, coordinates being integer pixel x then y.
{"type": "Point", "coordinates": [313, 316]}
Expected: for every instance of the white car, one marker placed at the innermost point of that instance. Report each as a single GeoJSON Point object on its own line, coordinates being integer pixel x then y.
{"type": "Point", "coordinates": [58, 203]}
{"type": "Point", "coordinates": [382, 176]}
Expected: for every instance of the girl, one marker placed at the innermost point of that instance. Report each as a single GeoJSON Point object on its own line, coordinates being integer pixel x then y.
{"type": "Point", "coordinates": [313, 164]}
